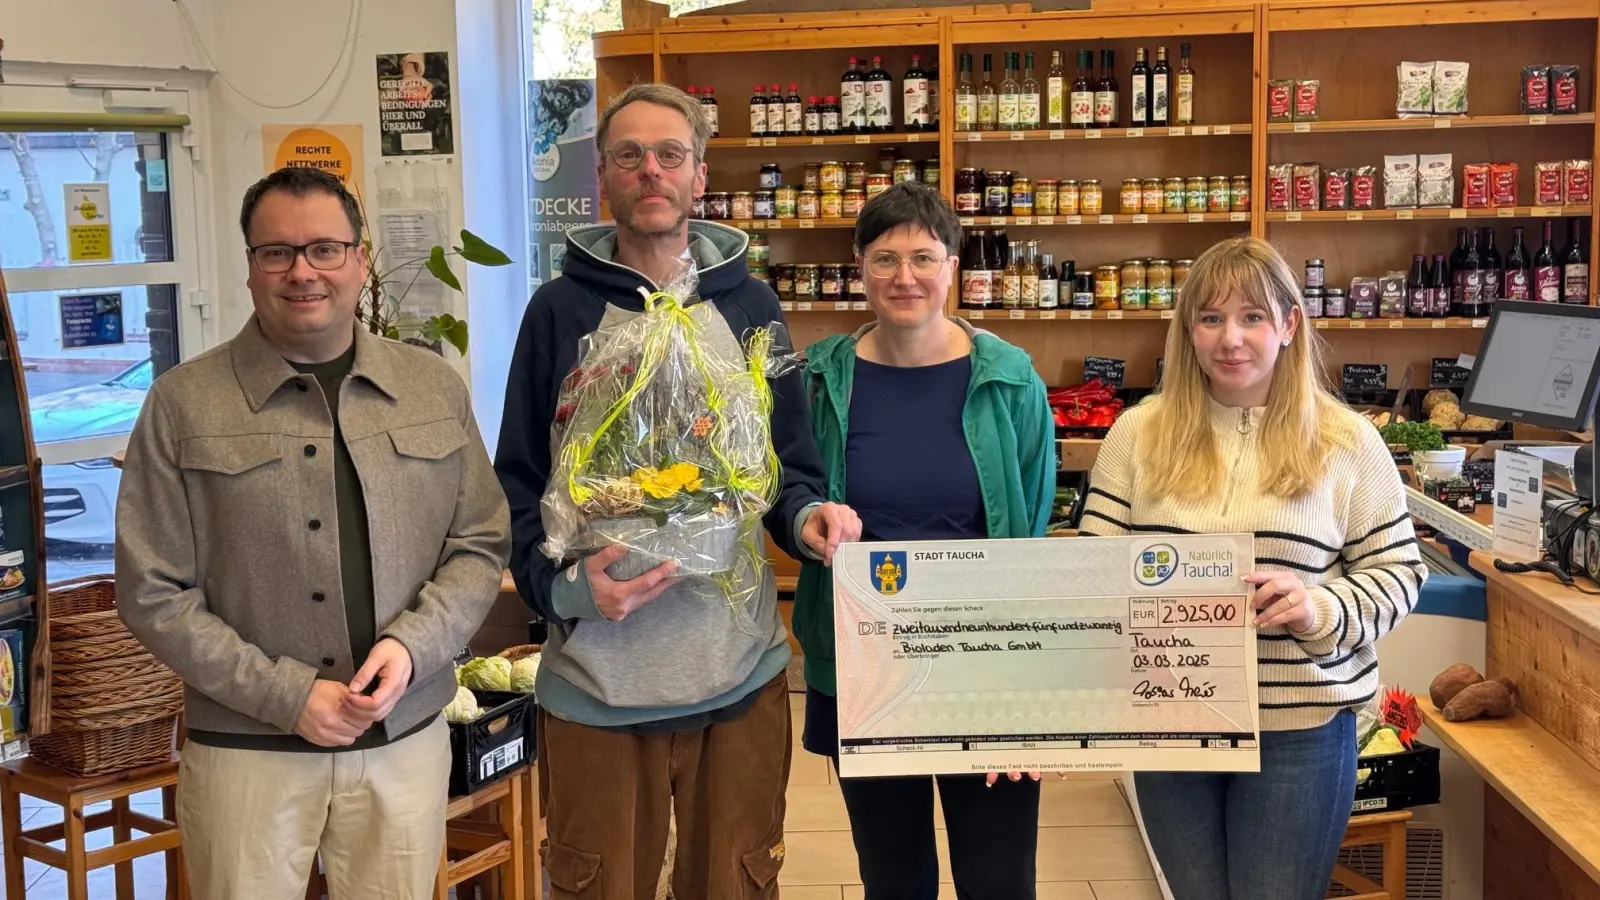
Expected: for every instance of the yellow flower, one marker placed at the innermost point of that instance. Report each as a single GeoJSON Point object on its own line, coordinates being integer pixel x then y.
{"type": "Point", "coordinates": [687, 475]}
{"type": "Point", "coordinates": [664, 483]}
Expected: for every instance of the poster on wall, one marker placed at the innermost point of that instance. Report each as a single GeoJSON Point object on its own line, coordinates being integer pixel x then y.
{"type": "Point", "coordinates": [91, 320]}
{"type": "Point", "coordinates": [561, 152]}
{"type": "Point", "coordinates": [414, 104]}
{"type": "Point", "coordinates": [88, 208]}
{"type": "Point", "coordinates": [335, 149]}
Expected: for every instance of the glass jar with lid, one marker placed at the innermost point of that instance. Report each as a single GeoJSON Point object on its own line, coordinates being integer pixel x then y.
{"type": "Point", "coordinates": [1154, 199]}
{"type": "Point", "coordinates": [807, 281]}
{"type": "Point", "coordinates": [771, 176]}
{"type": "Point", "coordinates": [719, 205]}
{"type": "Point", "coordinates": [1107, 287]}
{"type": "Point", "coordinates": [1239, 193]}
{"type": "Point", "coordinates": [854, 199]}
{"type": "Point", "coordinates": [1172, 196]}
{"type": "Point", "coordinates": [1091, 198]}
{"type": "Point", "coordinates": [855, 175]}
{"type": "Point", "coordinates": [785, 200]}
{"type": "Point", "coordinates": [762, 206]}
{"type": "Point", "coordinates": [1218, 196]}
{"type": "Point", "coordinates": [877, 183]}
{"type": "Point", "coordinates": [831, 176]}
{"type": "Point", "coordinates": [1132, 197]}
{"type": "Point", "coordinates": [813, 177]}
{"type": "Point", "coordinates": [1045, 196]}
{"type": "Point", "coordinates": [1180, 276]}
{"type": "Point", "coordinates": [997, 193]}
{"type": "Point", "coordinates": [855, 289]}
{"type": "Point", "coordinates": [758, 252]}
{"type": "Point", "coordinates": [1335, 303]}
{"type": "Point", "coordinates": [1133, 284]}
{"type": "Point", "coordinates": [904, 170]}
{"type": "Point", "coordinates": [1021, 195]}
{"type": "Point", "coordinates": [1194, 194]}
{"type": "Point", "coordinates": [1069, 197]}
{"type": "Point", "coordinates": [832, 204]}
{"type": "Point", "coordinates": [832, 283]}
{"type": "Point", "coordinates": [1158, 284]}
{"type": "Point", "coordinates": [807, 204]}
{"type": "Point", "coordinates": [930, 171]}
{"type": "Point", "coordinates": [744, 205]}
{"type": "Point", "coordinates": [969, 191]}
{"type": "Point", "coordinates": [785, 274]}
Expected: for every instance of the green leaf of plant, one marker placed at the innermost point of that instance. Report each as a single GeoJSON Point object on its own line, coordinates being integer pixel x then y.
{"type": "Point", "coordinates": [438, 268]}
{"type": "Point", "coordinates": [392, 333]}
{"type": "Point", "coordinates": [475, 249]}
{"type": "Point", "coordinates": [456, 334]}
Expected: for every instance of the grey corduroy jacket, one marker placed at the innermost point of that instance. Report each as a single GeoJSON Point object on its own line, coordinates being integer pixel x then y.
{"type": "Point", "coordinates": [223, 569]}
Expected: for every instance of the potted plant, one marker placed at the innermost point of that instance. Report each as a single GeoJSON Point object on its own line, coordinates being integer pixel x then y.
{"type": "Point", "coordinates": [1430, 456]}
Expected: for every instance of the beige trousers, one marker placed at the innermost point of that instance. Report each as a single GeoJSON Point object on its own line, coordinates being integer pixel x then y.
{"type": "Point", "coordinates": [254, 821]}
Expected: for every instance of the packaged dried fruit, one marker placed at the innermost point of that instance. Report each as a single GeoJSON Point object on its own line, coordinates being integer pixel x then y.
{"type": "Point", "coordinates": [1400, 181]}
{"type": "Point", "coordinates": [1503, 183]}
{"type": "Point", "coordinates": [1363, 187]}
{"type": "Point", "coordinates": [1450, 88]}
{"type": "Point", "coordinates": [1413, 89]}
{"type": "Point", "coordinates": [1336, 189]}
{"type": "Point", "coordinates": [1535, 99]}
{"type": "Point", "coordinates": [1436, 179]}
{"type": "Point", "coordinates": [1307, 185]}
{"type": "Point", "coordinates": [1280, 100]}
{"type": "Point", "coordinates": [1306, 94]}
{"type": "Point", "coordinates": [1280, 187]}
{"type": "Point", "coordinates": [1475, 185]}
{"type": "Point", "coordinates": [1548, 179]}
{"type": "Point", "coordinates": [1564, 90]}
{"type": "Point", "coordinates": [1577, 182]}
{"type": "Point", "coordinates": [1363, 298]}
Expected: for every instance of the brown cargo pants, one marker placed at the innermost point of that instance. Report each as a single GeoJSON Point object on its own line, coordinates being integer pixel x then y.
{"type": "Point", "coordinates": [608, 797]}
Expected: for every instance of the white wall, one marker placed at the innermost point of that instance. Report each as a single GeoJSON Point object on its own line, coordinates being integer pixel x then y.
{"type": "Point", "coordinates": [147, 33]}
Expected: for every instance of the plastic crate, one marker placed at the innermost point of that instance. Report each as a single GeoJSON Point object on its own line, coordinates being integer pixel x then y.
{"type": "Point", "coordinates": [1399, 780]}
{"type": "Point", "coordinates": [493, 745]}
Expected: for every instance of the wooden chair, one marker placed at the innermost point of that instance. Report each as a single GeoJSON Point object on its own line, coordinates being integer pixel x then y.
{"type": "Point", "coordinates": [75, 795]}
{"type": "Point", "coordinates": [1388, 830]}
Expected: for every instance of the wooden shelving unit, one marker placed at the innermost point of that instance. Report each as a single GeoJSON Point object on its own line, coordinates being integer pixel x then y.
{"type": "Point", "coordinates": [1406, 215]}
{"type": "Point", "coordinates": [22, 506]}
{"type": "Point", "coordinates": [1095, 134]}
{"type": "Point", "coordinates": [1429, 124]}
{"type": "Point", "coordinates": [1105, 219]}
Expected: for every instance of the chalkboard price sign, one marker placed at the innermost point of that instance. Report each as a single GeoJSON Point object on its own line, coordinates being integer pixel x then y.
{"type": "Point", "coordinates": [1444, 373]}
{"type": "Point", "coordinates": [1109, 371]}
{"type": "Point", "coordinates": [1364, 378]}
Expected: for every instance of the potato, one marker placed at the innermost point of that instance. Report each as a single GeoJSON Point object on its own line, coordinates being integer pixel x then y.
{"type": "Point", "coordinates": [1451, 682]}
{"type": "Point", "coordinates": [1486, 699]}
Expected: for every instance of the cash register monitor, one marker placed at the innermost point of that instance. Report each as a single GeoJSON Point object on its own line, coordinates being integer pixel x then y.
{"type": "Point", "coordinates": [1538, 364]}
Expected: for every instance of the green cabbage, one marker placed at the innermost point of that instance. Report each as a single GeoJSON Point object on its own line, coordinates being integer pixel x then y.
{"type": "Point", "coordinates": [487, 674]}
{"type": "Point", "coordinates": [523, 673]}
{"type": "Point", "coordinates": [464, 708]}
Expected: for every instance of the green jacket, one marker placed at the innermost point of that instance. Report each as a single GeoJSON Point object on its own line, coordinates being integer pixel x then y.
{"type": "Point", "coordinates": [1009, 431]}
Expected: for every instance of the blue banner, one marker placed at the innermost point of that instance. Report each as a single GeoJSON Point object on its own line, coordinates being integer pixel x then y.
{"type": "Point", "coordinates": [562, 156]}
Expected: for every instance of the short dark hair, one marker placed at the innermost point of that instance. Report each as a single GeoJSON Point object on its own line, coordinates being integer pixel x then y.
{"type": "Point", "coordinates": [300, 181]}
{"type": "Point", "coordinates": [912, 204]}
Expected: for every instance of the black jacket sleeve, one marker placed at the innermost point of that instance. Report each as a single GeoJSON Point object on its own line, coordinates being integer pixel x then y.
{"type": "Point", "coordinates": [803, 479]}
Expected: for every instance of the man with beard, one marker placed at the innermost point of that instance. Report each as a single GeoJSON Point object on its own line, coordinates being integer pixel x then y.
{"type": "Point", "coordinates": [655, 703]}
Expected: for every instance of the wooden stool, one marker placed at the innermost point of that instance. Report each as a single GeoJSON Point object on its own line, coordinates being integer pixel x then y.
{"type": "Point", "coordinates": [74, 795]}
{"type": "Point", "coordinates": [483, 846]}
{"type": "Point", "coordinates": [1385, 829]}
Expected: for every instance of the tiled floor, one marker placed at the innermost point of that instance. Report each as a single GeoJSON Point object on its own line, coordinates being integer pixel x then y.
{"type": "Point", "coordinates": [1089, 847]}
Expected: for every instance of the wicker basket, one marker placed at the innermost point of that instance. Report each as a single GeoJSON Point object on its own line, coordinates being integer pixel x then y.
{"type": "Point", "coordinates": [113, 706]}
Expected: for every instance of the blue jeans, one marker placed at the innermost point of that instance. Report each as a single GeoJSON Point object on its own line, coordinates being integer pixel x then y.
{"type": "Point", "coordinates": [1271, 835]}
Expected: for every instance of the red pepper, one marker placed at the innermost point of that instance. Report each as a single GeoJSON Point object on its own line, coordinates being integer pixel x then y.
{"type": "Point", "coordinates": [1061, 417]}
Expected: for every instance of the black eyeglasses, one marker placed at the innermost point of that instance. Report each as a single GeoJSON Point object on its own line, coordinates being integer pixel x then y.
{"type": "Point", "coordinates": [324, 256]}
{"type": "Point", "coordinates": [629, 154]}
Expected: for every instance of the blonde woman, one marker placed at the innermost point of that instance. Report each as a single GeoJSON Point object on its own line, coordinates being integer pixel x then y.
{"type": "Point", "coordinates": [1244, 438]}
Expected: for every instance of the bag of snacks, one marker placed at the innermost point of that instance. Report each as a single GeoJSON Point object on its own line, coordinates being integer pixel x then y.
{"type": "Point", "coordinates": [1564, 90]}
{"type": "Point", "coordinates": [1363, 187]}
{"type": "Point", "coordinates": [1535, 98]}
{"type": "Point", "coordinates": [1307, 185]}
{"type": "Point", "coordinates": [1280, 187]}
{"type": "Point", "coordinates": [1475, 185]}
{"type": "Point", "coordinates": [1436, 180]}
{"type": "Point", "coordinates": [1280, 100]}
{"type": "Point", "coordinates": [1548, 181]}
{"type": "Point", "coordinates": [1576, 182]}
{"type": "Point", "coordinates": [1503, 183]}
{"type": "Point", "coordinates": [1336, 189]}
{"type": "Point", "coordinates": [1306, 96]}
{"type": "Point", "coordinates": [1413, 90]}
{"type": "Point", "coordinates": [1392, 296]}
{"type": "Point", "coordinates": [1363, 298]}
{"type": "Point", "coordinates": [1450, 88]}
{"type": "Point", "coordinates": [1400, 181]}
{"type": "Point", "coordinates": [663, 443]}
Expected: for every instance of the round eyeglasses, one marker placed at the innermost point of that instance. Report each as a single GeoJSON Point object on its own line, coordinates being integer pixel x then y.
{"type": "Point", "coordinates": [887, 265]}
{"type": "Point", "coordinates": [629, 154]}
{"type": "Point", "coordinates": [324, 256]}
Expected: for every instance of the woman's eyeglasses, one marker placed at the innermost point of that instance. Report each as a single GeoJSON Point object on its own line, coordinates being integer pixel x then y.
{"type": "Point", "coordinates": [887, 265]}
{"type": "Point", "coordinates": [629, 154]}
{"type": "Point", "coordinates": [324, 256]}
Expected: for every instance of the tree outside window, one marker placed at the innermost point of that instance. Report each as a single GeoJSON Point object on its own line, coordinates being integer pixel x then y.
{"type": "Point", "coordinates": [563, 32]}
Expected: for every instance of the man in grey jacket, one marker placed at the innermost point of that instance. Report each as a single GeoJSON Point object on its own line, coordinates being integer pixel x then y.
{"type": "Point", "coordinates": [308, 530]}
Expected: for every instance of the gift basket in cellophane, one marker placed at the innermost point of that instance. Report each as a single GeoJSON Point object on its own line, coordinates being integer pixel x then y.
{"type": "Point", "coordinates": [663, 445]}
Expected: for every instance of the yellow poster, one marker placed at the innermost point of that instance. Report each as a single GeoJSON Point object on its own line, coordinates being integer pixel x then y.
{"type": "Point", "coordinates": [88, 221]}
{"type": "Point", "coordinates": [336, 149]}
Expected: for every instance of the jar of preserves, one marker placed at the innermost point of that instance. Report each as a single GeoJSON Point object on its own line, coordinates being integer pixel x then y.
{"type": "Point", "coordinates": [807, 204]}
{"type": "Point", "coordinates": [1218, 195]}
{"type": "Point", "coordinates": [1021, 195]}
{"type": "Point", "coordinates": [744, 205]}
{"type": "Point", "coordinates": [997, 193]}
{"type": "Point", "coordinates": [855, 289]}
{"type": "Point", "coordinates": [758, 252]}
{"type": "Point", "coordinates": [877, 183]}
{"type": "Point", "coordinates": [969, 191]}
{"type": "Point", "coordinates": [886, 159]}
{"type": "Point", "coordinates": [762, 207]}
{"type": "Point", "coordinates": [1239, 194]}
{"type": "Point", "coordinates": [1091, 200]}
{"type": "Point", "coordinates": [771, 176]}
{"type": "Point", "coordinates": [1133, 284]}
{"type": "Point", "coordinates": [807, 281]}
{"type": "Point", "coordinates": [1180, 276]}
{"type": "Point", "coordinates": [1172, 196]}
{"type": "Point", "coordinates": [831, 176]}
{"type": "Point", "coordinates": [1083, 289]}
{"type": "Point", "coordinates": [1132, 197]}
{"type": "Point", "coordinates": [1154, 199]}
{"type": "Point", "coordinates": [1335, 303]}
{"type": "Point", "coordinates": [854, 199]}
{"type": "Point", "coordinates": [1313, 300]}
{"type": "Point", "coordinates": [1045, 196]}
{"type": "Point", "coordinates": [930, 171]}
{"type": "Point", "coordinates": [832, 205]}
{"type": "Point", "coordinates": [904, 170]}
{"type": "Point", "coordinates": [813, 177]}
{"type": "Point", "coordinates": [1158, 284]}
{"type": "Point", "coordinates": [785, 275]}
{"type": "Point", "coordinates": [832, 288]}
{"type": "Point", "coordinates": [1194, 194]}
{"type": "Point", "coordinates": [1316, 274]}
{"type": "Point", "coordinates": [1069, 197]}
{"type": "Point", "coordinates": [1107, 287]}
{"type": "Point", "coordinates": [697, 207]}
{"type": "Point", "coordinates": [855, 175]}
{"type": "Point", "coordinates": [719, 205]}
{"type": "Point", "coordinates": [784, 201]}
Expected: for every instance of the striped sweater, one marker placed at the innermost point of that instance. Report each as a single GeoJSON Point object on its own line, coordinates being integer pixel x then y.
{"type": "Point", "coordinates": [1349, 540]}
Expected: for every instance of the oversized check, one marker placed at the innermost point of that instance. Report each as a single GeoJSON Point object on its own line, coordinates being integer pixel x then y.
{"type": "Point", "coordinates": [1129, 653]}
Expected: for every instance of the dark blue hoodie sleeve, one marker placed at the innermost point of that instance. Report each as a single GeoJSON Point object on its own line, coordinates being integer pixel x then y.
{"type": "Point", "coordinates": [803, 481]}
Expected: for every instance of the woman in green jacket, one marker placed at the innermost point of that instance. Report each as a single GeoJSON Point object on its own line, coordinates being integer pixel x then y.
{"type": "Point", "coordinates": [930, 430]}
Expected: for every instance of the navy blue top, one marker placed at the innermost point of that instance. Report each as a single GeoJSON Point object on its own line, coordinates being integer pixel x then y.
{"type": "Point", "coordinates": [909, 473]}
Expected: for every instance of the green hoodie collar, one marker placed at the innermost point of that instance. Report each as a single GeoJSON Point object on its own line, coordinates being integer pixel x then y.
{"type": "Point", "coordinates": [992, 358]}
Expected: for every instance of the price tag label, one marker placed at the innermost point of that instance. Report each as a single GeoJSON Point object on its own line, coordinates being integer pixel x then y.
{"type": "Point", "coordinates": [1141, 219]}
{"type": "Point", "coordinates": [743, 226]}
{"type": "Point", "coordinates": [1197, 217]}
{"type": "Point", "coordinates": [997, 220]}
{"type": "Point", "coordinates": [1114, 314]}
{"type": "Point", "coordinates": [1358, 323]}
{"type": "Point", "coordinates": [863, 138]}
{"type": "Point", "coordinates": [974, 136]}
{"type": "Point", "coordinates": [1397, 323]}
{"type": "Point", "coordinates": [1092, 134]}
{"type": "Point", "coordinates": [808, 223]}
{"type": "Point", "coordinates": [861, 306]}
{"type": "Point", "coordinates": [1048, 315]}
{"type": "Point", "coordinates": [1057, 134]}
{"type": "Point", "coordinates": [1458, 214]}
{"type": "Point", "coordinates": [1506, 212]}
{"type": "Point", "coordinates": [1480, 323]}
{"type": "Point", "coordinates": [1322, 324]}
{"type": "Point", "coordinates": [804, 305]}
{"type": "Point", "coordinates": [1018, 314]}
{"type": "Point", "coordinates": [1135, 132]}
{"type": "Point", "coordinates": [1547, 211]}
{"type": "Point", "coordinates": [1074, 220]}
{"type": "Point", "coordinates": [787, 306]}
{"type": "Point", "coordinates": [1302, 127]}
{"type": "Point", "coordinates": [975, 314]}
{"type": "Point", "coordinates": [913, 138]}
{"type": "Point", "coordinates": [1107, 220]}
{"type": "Point", "coordinates": [1438, 323]}
{"type": "Point", "coordinates": [1080, 314]}
{"type": "Point", "coordinates": [1238, 217]}
{"type": "Point", "coordinates": [752, 142]}
{"type": "Point", "coordinates": [816, 142]}
{"type": "Point", "coordinates": [1017, 135]}
{"type": "Point", "coordinates": [1291, 217]}
{"type": "Point", "coordinates": [1222, 129]}
{"type": "Point", "coordinates": [1538, 120]}
{"type": "Point", "coordinates": [775, 224]}
{"type": "Point", "coordinates": [841, 306]}
{"type": "Point", "coordinates": [1354, 216]}
{"type": "Point", "coordinates": [1167, 313]}
{"type": "Point", "coordinates": [1405, 214]}
{"type": "Point", "coordinates": [1201, 130]}
{"type": "Point", "coordinates": [968, 221]}
{"type": "Point", "coordinates": [1179, 131]}
{"type": "Point", "coordinates": [1441, 123]}
{"type": "Point", "coordinates": [1024, 220]}
{"type": "Point", "coordinates": [769, 142]}
{"type": "Point", "coordinates": [1047, 220]}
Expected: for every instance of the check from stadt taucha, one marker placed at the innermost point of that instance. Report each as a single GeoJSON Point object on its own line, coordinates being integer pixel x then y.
{"type": "Point", "coordinates": [1128, 653]}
